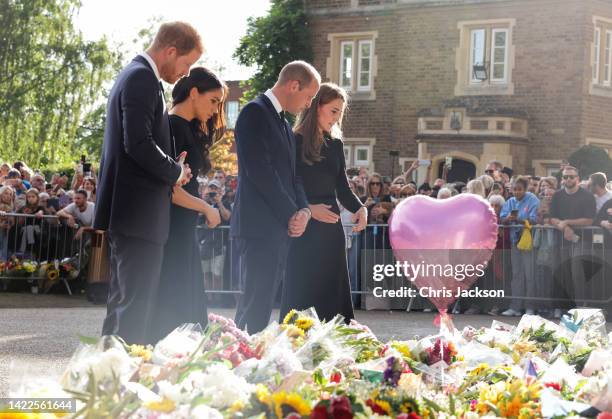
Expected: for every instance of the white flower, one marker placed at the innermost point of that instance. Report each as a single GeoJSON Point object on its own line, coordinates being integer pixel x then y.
{"type": "Point", "coordinates": [220, 385]}
{"type": "Point", "coordinates": [104, 364]}
{"type": "Point", "coordinates": [205, 412]}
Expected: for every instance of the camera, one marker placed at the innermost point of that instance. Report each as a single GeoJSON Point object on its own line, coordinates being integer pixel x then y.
{"type": "Point", "coordinates": [212, 195]}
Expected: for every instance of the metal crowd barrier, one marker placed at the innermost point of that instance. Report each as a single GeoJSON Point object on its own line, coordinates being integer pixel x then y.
{"type": "Point", "coordinates": [29, 243]}
{"type": "Point", "coordinates": [559, 273]}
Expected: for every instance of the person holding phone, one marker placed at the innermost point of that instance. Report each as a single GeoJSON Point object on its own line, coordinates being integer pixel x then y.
{"type": "Point", "coordinates": [197, 121]}
{"type": "Point", "coordinates": [523, 206]}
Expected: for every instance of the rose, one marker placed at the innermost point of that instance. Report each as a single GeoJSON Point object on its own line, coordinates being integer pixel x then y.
{"type": "Point", "coordinates": [319, 412]}
{"type": "Point", "coordinates": [340, 408]}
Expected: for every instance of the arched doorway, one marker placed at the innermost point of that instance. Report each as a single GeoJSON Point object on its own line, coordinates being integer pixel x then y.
{"type": "Point", "coordinates": [461, 170]}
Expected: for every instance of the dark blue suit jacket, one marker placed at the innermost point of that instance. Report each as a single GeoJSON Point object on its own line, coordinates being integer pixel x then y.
{"type": "Point", "coordinates": [137, 169]}
{"type": "Point", "coordinates": [269, 192]}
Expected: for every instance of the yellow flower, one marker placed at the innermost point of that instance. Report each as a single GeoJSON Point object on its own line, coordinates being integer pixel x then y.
{"type": "Point", "coordinates": [163, 406]}
{"type": "Point", "coordinates": [480, 368]}
{"type": "Point", "coordinates": [293, 401]}
{"type": "Point", "coordinates": [52, 274]}
{"type": "Point", "coordinates": [290, 317]}
{"type": "Point", "coordinates": [140, 351]}
{"type": "Point", "coordinates": [402, 348]}
{"type": "Point", "coordinates": [237, 406]}
{"type": "Point", "coordinates": [263, 395]}
{"type": "Point", "coordinates": [304, 323]}
{"type": "Point", "coordinates": [384, 405]}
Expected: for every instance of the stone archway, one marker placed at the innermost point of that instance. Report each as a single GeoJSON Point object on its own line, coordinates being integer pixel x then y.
{"type": "Point", "coordinates": [465, 166]}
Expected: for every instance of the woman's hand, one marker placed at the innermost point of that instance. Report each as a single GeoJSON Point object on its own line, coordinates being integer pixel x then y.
{"type": "Point", "coordinates": [321, 212]}
{"type": "Point", "coordinates": [360, 218]}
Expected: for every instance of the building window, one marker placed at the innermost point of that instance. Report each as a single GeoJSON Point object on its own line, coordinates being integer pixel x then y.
{"type": "Point", "coordinates": [356, 65]}
{"type": "Point", "coordinates": [231, 112]}
{"type": "Point", "coordinates": [352, 63]}
{"type": "Point", "coordinates": [365, 66]}
{"type": "Point", "coordinates": [362, 155]}
{"type": "Point", "coordinates": [485, 58]}
{"type": "Point", "coordinates": [607, 57]}
{"type": "Point", "coordinates": [601, 57]}
{"type": "Point", "coordinates": [347, 155]}
{"type": "Point", "coordinates": [346, 65]}
{"type": "Point", "coordinates": [478, 52]}
{"type": "Point", "coordinates": [499, 55]}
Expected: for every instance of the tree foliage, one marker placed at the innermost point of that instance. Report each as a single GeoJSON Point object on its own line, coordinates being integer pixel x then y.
{"type": "Point", "coordinates": [52, 83]}
{"type": "Point", "coordinates": [222, 156]}
{"type": "Point", "coordinates": [590, 159]}
{"type": "Point", "coordinates": [272, 41]}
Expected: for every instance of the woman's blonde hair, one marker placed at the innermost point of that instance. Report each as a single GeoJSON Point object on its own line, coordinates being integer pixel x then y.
{"type": "Point", "coordinates": [476, 187]}
{"type": "Point", "coordinates": [307, 124]}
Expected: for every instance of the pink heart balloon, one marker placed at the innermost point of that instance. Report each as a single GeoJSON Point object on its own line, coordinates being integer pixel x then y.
{"type": "Point", "coordinates": [461, 230]}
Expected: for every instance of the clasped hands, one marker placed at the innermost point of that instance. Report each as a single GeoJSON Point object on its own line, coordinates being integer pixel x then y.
{"type": "Point", "coordinates": [323, 213]}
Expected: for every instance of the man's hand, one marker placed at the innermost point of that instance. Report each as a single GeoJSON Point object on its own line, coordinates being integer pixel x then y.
{"type": "Point", "coordinates": [569, 234]}
{"type": "Point", "coordinates": [321, 212]}
{"type": "Point", "coordinates": [70, 221]}
{"type": "Point", "coordinates": [606, 224]}
{"type": "Point", "coordinates": [297, 223]}
{"type": "Point", "coordinates": [360, 218]}
{"type": "Point", "coordinates": [213, 218]}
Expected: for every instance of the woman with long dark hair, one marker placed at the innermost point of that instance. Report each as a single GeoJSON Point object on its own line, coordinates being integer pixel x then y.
{"type": "Point", "coordinates": [317, 273]}
{"type": "Point", "coordinates": [196, 121]}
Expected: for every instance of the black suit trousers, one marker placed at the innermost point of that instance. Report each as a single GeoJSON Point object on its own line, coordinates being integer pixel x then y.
{"type": "Point", "coordinates": [135, 275]}
{"type": "Point", "coordinates": [262, 271]}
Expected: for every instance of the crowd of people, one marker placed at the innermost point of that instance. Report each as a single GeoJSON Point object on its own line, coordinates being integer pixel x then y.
{"type": "Point", "coordinates": [28, 199]}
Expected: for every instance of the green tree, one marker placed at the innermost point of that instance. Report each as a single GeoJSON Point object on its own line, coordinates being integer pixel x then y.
{"type": "Point", "coordinates": [272, 41]}
{"type": "Point", "coordinates": [589, 159]}
{"type": "Point", "coordinates": [50, 79]}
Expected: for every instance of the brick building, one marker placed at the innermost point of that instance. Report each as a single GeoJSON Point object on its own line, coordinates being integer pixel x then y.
{"type": "Point", "coordinates": [522, 81]}
{"type": "Point", "coordinates": [232, 104]}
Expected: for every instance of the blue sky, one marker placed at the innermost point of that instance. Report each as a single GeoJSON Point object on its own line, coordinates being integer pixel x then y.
{"type": "Point", "coordinates": [221, 24]}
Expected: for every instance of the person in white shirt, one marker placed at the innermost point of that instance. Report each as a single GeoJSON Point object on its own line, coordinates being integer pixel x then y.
{"type": "Point", "coordinates": [597, 184]}
{"type": "Point", "coordinates": [80, 212]}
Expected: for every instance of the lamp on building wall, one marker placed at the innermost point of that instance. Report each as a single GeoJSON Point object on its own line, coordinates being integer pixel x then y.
{"type": "Point", "coordinates": [394, 154]}
{"type": "Point", "coordinates": [480, 72]}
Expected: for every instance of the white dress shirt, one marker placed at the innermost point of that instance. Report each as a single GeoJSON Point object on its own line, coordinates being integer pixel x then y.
{"type": "Point", "coordinates": [151, 63]}
{"type": "Point", "coordinates": [274, 101]}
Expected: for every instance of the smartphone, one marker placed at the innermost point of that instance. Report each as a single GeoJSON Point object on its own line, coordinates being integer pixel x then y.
{"type": "Point", "coordinates": [514, 213]}
{"type": "Point", "coordinates": [87, 169]}
{"type": "Point", "coordinates": [448, 161]}
{"type": "Point", "coordinates": [424, 162]}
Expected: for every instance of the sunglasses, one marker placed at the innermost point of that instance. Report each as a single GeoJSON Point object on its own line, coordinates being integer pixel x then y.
{"type": "Point", "coordinates": [566, 177]}
{"type": "Point", "coordinates": [489, 172]}
{"type": "Point", "coordinates": [375, 183]}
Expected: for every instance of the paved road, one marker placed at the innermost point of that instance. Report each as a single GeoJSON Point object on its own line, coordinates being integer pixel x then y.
{"type": "Point", "coordinates": [39, 333]}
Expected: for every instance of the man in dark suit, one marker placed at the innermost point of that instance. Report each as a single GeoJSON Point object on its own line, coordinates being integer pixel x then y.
{"type": "Point", "coordinates": [270, 205]}
{"type": "Point", "coordinates": [137, 173]}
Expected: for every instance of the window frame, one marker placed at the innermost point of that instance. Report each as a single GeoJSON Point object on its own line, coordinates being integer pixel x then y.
{"type": "Point", "coordinates": [368, 150]}
{"type": "Point", "coordinates": [232, 124]}
{"type": "Point", "coordinates": [360, 42]}
{"type": "Point", "coordinates": [473, 31]}
{"type": "Point", "coordinates": [494, 31]}
{"type": "Point", "coordinates": [352, 65]}
{"type": "Point", "coordinates": [597, 54]}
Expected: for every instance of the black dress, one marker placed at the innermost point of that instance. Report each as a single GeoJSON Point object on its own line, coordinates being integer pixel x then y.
{"type": "Point", "coordinates": [317, 272]}
{"type": "Point", "coordinates": [181, 298]}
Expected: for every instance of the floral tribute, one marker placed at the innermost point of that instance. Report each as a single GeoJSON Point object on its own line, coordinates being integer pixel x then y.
{"type": "Point", "coordinates": [306, 368]}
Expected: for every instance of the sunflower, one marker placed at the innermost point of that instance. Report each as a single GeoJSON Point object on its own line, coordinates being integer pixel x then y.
{"type": "Point", "coordinates": [52, 274]}
{"type": "Point", "coordinates": [304, 323]}
{"type": "Point", "coordinates": [283, 404]}
{"type": "Point", "coordinates": [290, 317]}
